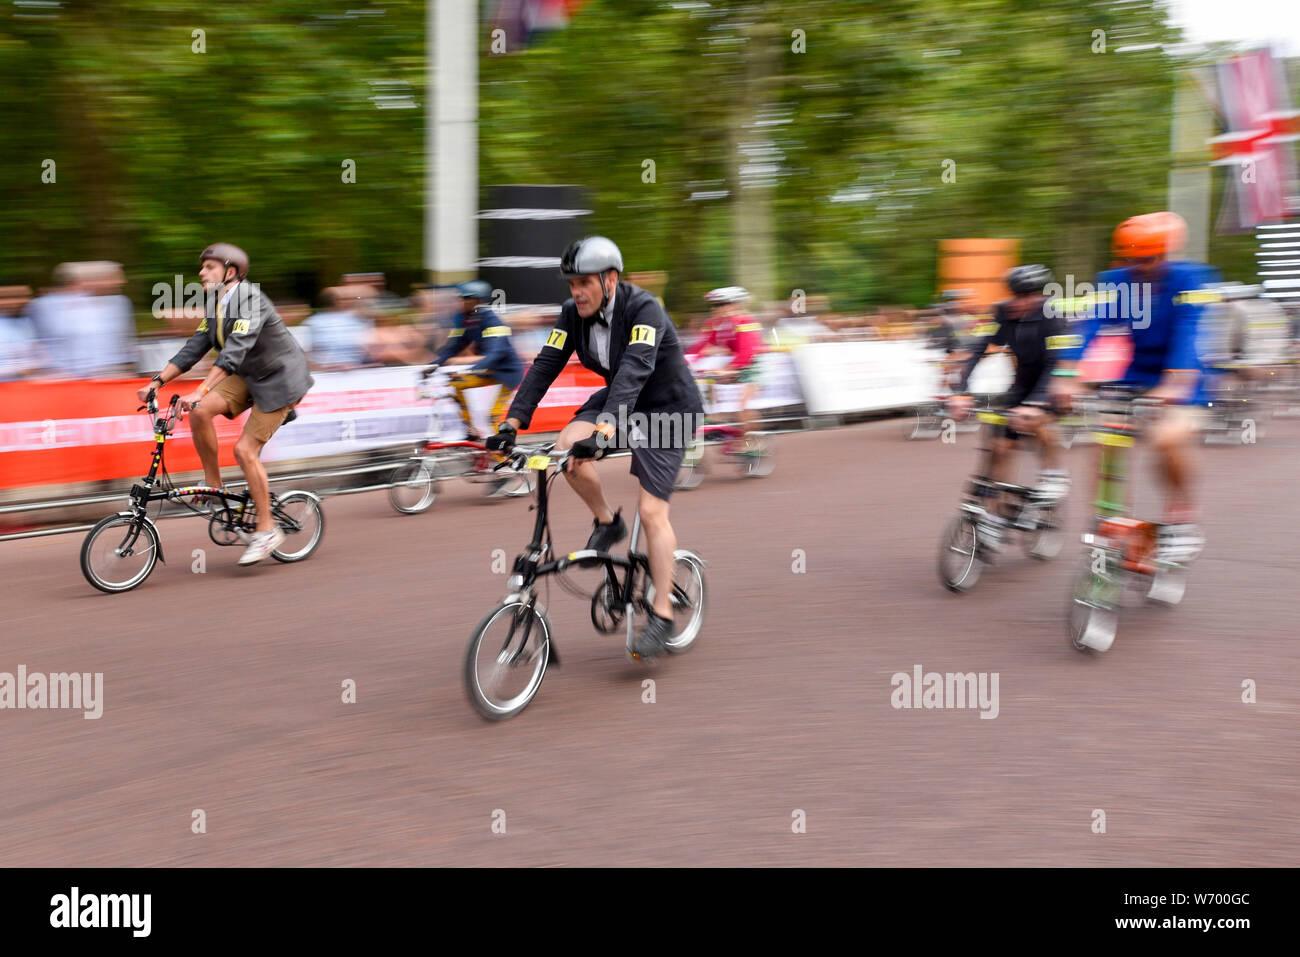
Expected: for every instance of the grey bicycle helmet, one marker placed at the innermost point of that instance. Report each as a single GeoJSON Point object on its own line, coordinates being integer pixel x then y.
{"type": "Point", "coordinates": [591, 255]}
{"type": "Point", "coordinates": [228, 254]}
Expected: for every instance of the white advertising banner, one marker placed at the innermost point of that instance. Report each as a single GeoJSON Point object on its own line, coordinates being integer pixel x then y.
{"type": "Point", "coordinates": [372, 408]}
{"type": "Point", "coordinates": [841, 377]}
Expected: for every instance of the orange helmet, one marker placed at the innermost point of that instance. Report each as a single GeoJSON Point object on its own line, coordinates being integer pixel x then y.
{"type": "Point", "coordinates": [1152, 234]}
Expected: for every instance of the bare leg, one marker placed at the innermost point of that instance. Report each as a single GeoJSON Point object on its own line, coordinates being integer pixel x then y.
{"type": "Point", "coordinates": [248, 453]}
{"type": "Point", "coordinates": [203, 428]}
{"type": "Point", "coordinates": [748, 418]}
{"type": "Point", "coordinates": [1172, 438]}
{"type": "Point", "coordinates": [661, 543]}
{"type": "Point", "coordinates": [581, 475]}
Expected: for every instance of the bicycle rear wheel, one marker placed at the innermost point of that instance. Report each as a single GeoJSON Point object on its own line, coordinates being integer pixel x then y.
{"type": "Point", "coordinates": [691, 473]}
{"type": "Point", "coordinates": [506, 659]}
{"type": "Point", "coordinates": [412, 488]}
{"type": "Point", "coordinates": [301, 518]}
{"type": "Point", "coordinates": [759, 458]}
{"type": "Point", "coordinates": [959, 561]}
{"type": "Point", "coordinates": [119, 553]}
{"type": "Point", "coordinates": [1048, 537]}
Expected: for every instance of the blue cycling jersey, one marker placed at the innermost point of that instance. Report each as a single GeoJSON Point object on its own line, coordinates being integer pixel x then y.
{"type": "Point", "coordinates": [1161, 316]}
{"type": "Point", "coordinates": [485, 327]}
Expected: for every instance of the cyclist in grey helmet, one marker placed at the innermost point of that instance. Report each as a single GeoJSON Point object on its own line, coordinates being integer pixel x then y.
{"type": "Point", "coordinates": [622, 333]}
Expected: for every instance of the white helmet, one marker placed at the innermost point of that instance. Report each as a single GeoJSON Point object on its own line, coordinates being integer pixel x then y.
{"type": "Point", "coordinates": [726, 294]}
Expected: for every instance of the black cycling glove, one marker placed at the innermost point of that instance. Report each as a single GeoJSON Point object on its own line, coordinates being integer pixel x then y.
{"type": "Point", "coordinates": [504, 440]}
{"type": "Point", "coordinates": [588, 448]}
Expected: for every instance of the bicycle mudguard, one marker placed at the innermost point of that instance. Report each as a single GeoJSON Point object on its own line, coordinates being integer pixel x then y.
{"type": "Point", "coordinates": [146, 520]}
{"type": "Point", "coordinates": [690, 556]}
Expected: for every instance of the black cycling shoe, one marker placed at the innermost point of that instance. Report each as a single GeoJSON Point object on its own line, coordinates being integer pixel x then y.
{"type": "Point", "coordinates": [605, 537]}
{"type": "Point", "coordinates": [653, 640]}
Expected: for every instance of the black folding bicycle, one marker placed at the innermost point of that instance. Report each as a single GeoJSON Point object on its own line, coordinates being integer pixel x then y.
{"type": "Point", "coordinates": [512, 645]}
{"type": "Point", "coordinates": [121, 551]}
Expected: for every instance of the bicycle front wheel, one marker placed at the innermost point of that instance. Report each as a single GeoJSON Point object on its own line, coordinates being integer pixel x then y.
{"type": "Point", "coordinates": [119, 553]}
{"type": "Point", "coordinates": [688, 603]}
{"type": "Point", "coordinates": [959, 561]}
{"type": "Point", "coordinates": [302, 520]}
{"type": "Point", "coordinates": [506, 659]}
{"type": "Point", "coordinates": [413, 489]}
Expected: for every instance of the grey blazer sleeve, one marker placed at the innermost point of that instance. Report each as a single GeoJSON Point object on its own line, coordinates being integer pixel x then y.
{"type": "Point", "coordinates": [195, 348]}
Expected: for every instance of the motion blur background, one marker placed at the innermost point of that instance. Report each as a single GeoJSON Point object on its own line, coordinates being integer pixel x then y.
{"type": "Point", "coordinates": [809, 140]}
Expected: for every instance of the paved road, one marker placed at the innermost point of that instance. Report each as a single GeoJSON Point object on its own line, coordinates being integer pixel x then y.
{"type": "Point", "coordinates": [222, 692]}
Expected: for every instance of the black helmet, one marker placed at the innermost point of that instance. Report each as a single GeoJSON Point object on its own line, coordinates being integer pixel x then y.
{"type": "Point", "coordinates": [593, 254]}
{"type": "Point", "coordinates": [229, 255]}
{"type": "Point", "coordinates": [1026, 279]}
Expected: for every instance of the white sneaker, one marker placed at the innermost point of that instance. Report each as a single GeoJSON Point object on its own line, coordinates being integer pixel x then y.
{"type": "Point", "coordinates": [990, 533]}
{"type": "Point", "coordinates": [1179, 544]}
{"type": "Point", "coordinates": [261, 545]}
{"type": "Point", "coordinates": [1052, 487]}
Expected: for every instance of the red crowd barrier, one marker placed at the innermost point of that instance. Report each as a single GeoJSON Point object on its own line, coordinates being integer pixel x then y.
{"type": "Point", "coordinates": [56, 432]}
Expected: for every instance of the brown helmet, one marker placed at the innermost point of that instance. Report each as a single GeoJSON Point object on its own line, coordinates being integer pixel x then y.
{"type": "Point", "coordinates": [229, 255]}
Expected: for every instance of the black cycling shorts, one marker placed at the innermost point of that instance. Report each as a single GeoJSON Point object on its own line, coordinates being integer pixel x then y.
{"type": "Point", "coordinates": [655, 468]}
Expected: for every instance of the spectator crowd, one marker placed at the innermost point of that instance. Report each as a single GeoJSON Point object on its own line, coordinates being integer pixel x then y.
{"type": "Point", "coordinates": [83, 326]}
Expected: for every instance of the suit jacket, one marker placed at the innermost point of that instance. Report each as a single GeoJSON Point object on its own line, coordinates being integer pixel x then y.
{"type": "Point", "coordinates": [647, 371]}
{"type": "Point", "coordinates": [258, 348]}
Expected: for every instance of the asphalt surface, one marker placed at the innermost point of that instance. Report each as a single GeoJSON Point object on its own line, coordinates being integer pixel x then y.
{"type": "Point", "coordinates": [223, 690]}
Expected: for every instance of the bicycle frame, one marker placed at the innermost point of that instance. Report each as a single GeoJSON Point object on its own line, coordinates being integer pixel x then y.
{"type": "Point", "coordinates": [982, 485]}
{"type": "Point", "coordinates": [1134, 539]}
{"type": "Point", "coordinates": [143, 494]}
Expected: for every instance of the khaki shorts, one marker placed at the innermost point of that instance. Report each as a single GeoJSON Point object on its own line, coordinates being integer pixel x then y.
{"type": "Point", "coordinates": [261, 425]}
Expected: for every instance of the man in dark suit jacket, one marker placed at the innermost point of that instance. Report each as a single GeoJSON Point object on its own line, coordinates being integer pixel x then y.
{"type": "Point", "coordinates": [621, 332]}
{"type": "Point", "coordinates": [260, 366]}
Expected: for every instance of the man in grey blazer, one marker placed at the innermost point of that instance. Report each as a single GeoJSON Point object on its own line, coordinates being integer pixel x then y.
{"type": "Point", "coordinates": [260, 366]}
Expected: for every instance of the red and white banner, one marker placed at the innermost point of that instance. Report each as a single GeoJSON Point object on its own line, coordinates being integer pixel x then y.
{"type": "Point", "coordinates": [63, 431]}
{"type": "Point", "coordinates": [1258, 148]}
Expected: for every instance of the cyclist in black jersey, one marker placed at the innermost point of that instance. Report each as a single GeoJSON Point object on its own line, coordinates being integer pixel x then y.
{"type": "Point", "coordinates": [1035, 338]}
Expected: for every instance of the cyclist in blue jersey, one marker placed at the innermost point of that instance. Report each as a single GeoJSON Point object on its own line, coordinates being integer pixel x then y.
{"type": "Point", "coordinates": [1160, 300]}
{"type": "Point", "coordinates": [477, 325]}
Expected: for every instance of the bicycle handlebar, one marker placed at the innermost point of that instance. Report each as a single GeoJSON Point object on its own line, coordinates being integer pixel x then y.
{"type": "Point", "coordinates": [519, 455]}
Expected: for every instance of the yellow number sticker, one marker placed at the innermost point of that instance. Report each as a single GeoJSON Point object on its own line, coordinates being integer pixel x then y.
{"type": "Point", "coordinates": [1108, 438]}
{"type": "Point", "coordinates": [241, 326]}
{"type": "Point", "coordinates": [644, 334]}
{"type": "Point", "coordinates": [496, 331]}
{"type": "Point", "coordinates": [556, 339]}
{"type": "Point", "coordinates": [1064, 342]}
{"type": "Point", "coordinates": [992, 418]}
{"type": "Point", "coordinates": [539, 461]}
{"type": "Point", "coordinates": [203, 326]}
